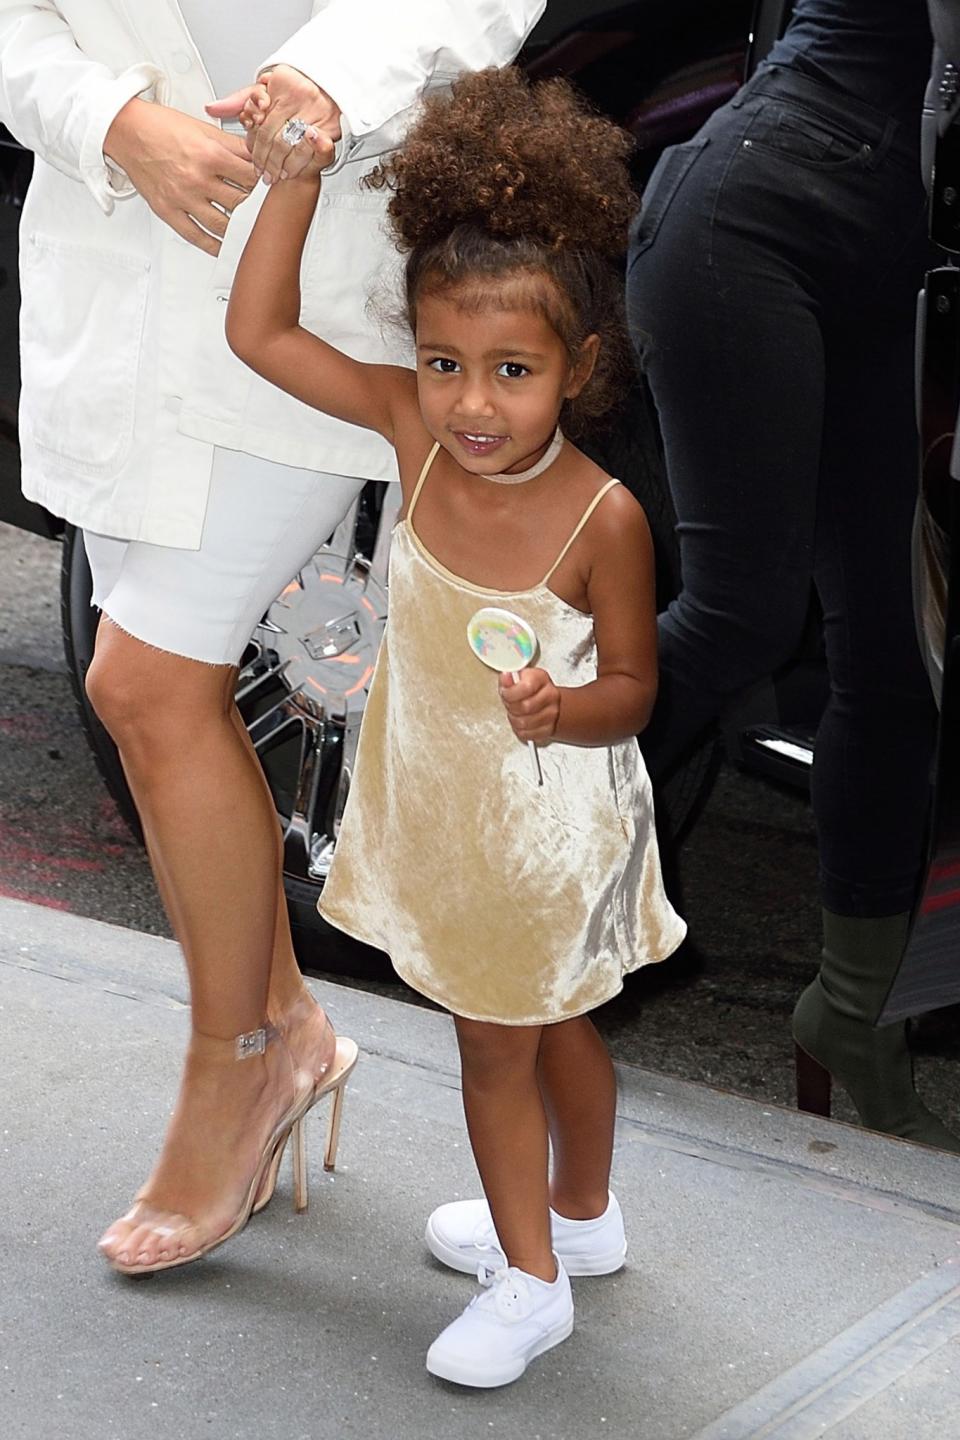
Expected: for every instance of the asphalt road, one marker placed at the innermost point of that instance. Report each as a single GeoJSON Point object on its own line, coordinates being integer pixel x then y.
{"type": "Point", "coordinates": [718, 1012]}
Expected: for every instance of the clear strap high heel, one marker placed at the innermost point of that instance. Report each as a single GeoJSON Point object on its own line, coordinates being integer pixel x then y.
{"type": "Point", "coordinates": [250, 1044]}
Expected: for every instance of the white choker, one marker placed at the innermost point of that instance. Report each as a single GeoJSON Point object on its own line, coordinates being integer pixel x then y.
{"type": "Point", "coordinates": [544, 463]}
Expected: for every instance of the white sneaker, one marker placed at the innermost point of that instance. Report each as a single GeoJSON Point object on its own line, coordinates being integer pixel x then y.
{"type": "Point", "coordinates": [461, 1235]}
{"type": "Point", "coordinates": [513, 1319]}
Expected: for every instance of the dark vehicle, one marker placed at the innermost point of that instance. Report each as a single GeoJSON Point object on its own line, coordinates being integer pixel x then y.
{"type": "Point", "coordinates": [660, 67]}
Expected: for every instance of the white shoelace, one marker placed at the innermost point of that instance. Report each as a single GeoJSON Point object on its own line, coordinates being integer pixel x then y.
{"type": "Point", "coordinates": [505, 1291]}
{"type": "Point", "coordinates": [485, 1236]}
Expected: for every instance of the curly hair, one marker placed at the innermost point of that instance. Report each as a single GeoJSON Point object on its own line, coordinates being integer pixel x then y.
{"type": "Point", "coordinates": [507, 192]}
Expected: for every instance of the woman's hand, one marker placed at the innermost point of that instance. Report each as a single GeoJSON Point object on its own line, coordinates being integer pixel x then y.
{"type": "Point", "coordinates": [532, 703]}
{"type": "Point", "coordinates": [192, 175]}
{"type": "Point", "coordinates": [290, 95]}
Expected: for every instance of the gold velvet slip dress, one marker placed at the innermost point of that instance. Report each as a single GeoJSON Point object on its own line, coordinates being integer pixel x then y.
{"type": "Point", "coordinates": [502, 900]}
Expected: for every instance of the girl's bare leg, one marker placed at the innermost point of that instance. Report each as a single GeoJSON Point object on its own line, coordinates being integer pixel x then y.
{"type": "Point", "coordinates": [579, 1091]}
{"type": "Point", "coordinates": [508, 1132]}
{"type": "Point", "coordinates": [212, 836]}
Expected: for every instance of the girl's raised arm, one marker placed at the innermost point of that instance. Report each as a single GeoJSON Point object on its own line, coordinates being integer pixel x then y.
{"type": "Point", "coordinates": [264, 330]}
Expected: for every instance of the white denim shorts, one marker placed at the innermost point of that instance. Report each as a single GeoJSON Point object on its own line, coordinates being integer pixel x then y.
{"type": "Point", "coordinates": [263, 523]}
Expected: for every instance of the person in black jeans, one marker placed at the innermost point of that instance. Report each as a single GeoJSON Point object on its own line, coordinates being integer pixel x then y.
{"type": "Point", "coordinates": [772, 285]}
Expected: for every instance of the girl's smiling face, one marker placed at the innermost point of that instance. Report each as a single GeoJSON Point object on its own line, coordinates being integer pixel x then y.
{"type": "Point", "coordinates": [491, 382]}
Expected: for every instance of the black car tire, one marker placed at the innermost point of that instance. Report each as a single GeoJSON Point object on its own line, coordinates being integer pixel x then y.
{"type": "Point", "coordinates": [628, 450]}
{"type": "Point", "coordinates": [79, 620]}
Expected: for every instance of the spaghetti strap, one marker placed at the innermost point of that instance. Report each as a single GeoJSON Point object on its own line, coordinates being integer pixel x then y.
{"type": "Point", "coordinates": [580, 524]}
{"type": "Point", "coordinates": [423, 475]}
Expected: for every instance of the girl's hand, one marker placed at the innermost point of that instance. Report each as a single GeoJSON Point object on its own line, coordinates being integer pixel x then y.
{"type": "Point", "coordinates": [192, 175]}
{"type": "Point", "coordinates": [255, 110]}
{"type": "Point", "coordinates": [291, 95]}
{"type": "Point", "coordinates": [532, 703]}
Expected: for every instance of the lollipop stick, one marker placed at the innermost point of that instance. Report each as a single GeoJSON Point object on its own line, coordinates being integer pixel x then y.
{"type": "Point", "coordinates": [531, 744]}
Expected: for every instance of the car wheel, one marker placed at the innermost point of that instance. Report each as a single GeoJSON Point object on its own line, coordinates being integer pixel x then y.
{"type": "Point", "coordinates": [304, 676]}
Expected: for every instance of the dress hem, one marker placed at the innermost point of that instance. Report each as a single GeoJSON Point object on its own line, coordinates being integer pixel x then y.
{"type": "Point", "coordinates": [492, 1019]}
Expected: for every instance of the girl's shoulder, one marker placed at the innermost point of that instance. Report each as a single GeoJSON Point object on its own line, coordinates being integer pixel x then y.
{"type": "Point", "coordinates": [617, 527]}
{"type": "Point", "coordinates": [613, 536]}
{"type": "Point", "coordinates": [607, 531]}
{"type": "Point", "coordinates": [613, 504]}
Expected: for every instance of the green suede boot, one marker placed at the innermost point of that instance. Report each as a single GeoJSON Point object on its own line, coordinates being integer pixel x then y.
{"type": "Point", "coordinates": [835, 1035]}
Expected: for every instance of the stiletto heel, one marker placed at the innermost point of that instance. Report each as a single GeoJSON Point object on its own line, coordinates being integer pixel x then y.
{"type": "Point", "coordinates": [813, 1084]}
{"type": "Point", "coordinates": [301, 1184]}
{"type": "Point", "coordinates": [333, 1128]}
{"type": "Point", "coordinates": [335, 1081]}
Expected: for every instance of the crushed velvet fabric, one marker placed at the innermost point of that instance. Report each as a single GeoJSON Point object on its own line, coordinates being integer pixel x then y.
{"type": "Point", "coordinates": [503, 901]}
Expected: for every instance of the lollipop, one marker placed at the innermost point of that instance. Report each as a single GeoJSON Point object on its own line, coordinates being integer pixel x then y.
{"type": "Point", "coordinates": [504, 642]}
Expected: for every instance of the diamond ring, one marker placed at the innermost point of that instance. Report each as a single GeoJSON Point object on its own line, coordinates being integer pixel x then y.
{"type": "Point", "coordinates": [293, 132]}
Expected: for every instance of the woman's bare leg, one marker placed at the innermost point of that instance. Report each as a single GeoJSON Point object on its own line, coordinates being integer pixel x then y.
{"type": "Point", "coordinates": [508, 1132]}
{"type": "Point", "coordinates": [212, 835]}
{"type": "Point", "coordinates": [579, 1091]}
{"type": "Point", "coordinates": [290, 1004]}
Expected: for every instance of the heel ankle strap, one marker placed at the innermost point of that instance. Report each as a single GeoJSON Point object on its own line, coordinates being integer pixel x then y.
{"type": "Point", "coordinates": [254, 1042]}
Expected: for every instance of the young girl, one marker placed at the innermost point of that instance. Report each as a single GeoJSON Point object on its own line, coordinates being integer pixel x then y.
{"type": "Point", "coordinates": [519, 906]}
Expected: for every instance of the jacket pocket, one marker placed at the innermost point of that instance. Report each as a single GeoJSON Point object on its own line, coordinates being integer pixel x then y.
{"type": "Point", "coordinates": [82, 320]}
{"type": "Point", "coordinates": [664, 182]}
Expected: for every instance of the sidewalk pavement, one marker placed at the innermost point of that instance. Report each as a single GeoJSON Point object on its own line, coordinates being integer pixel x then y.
{"type": "Point", "coordinates": [787, 1278]}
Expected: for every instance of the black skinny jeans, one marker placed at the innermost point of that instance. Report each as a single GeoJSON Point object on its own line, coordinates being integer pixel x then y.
{"type": "Point", "coordinates": [771, 290]}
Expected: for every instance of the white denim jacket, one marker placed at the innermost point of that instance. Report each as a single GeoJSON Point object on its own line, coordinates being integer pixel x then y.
{"type": "Point", "coordinates": [127, 382]}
